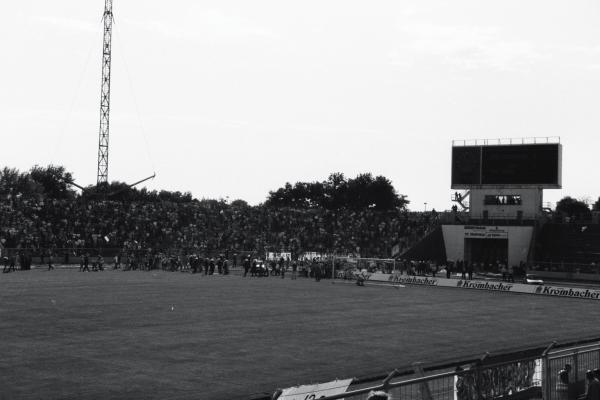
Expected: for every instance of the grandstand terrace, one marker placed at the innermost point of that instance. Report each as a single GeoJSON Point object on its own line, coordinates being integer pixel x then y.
{"type": "Point", "coordinates": [39, 223]}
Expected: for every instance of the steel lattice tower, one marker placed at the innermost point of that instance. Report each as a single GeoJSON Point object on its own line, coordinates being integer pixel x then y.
{"type": "Point", "coordinates": [105, 95]}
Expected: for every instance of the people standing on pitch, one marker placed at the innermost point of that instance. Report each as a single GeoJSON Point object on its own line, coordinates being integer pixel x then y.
{"type": "Point", "coordinates": [220, 265]}
{"type": "Point", "coordinates": [12, 263]}
{"type": "Point", "coordinates": [246, 266]}
{"type": "Point", "coordinates": [282, 263]}
{"type": "Point", "coordinates": [253, 270]}
{"type": "Point", "coordinates": [9, 264]}
{"type": "Point", "coordinates": [86, 262]}
{"type": "Point", "coordinates": [211, 266]}
{"type": "Point", "coordinates": [317, 269]}
{"type": "Point", "coordinates": [98, 264]}
{"type": "Point", "coordinates": [117, 261]}
{"type": "Point", "coordinates": [294, 269]}
{"type": "Point", "coordinates": [192, 263]}
{"type": "Point", "coordinates": [225, 267]}
{"type": "Point", "coordinates": [504, 271]}
{"type": "Point", "coordinates": [511, 274]}
{"type": "Point", "coordinates": [5, 262]}
{"type": "Point", "coordinates": [195, 264]}
{"type": "Point", "coordinates": [470, 270]}
{"type": "Point", "coordinates": [50, 261]}
{"type": "Point", "coordinates": [205, 264]}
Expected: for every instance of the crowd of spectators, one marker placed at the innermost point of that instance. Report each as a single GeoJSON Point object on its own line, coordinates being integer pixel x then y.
{"type": "Point", "coordinates": [206, 226]}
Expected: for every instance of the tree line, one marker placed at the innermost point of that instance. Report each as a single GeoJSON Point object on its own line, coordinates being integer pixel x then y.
{"type": "Point", "coordinates": [365, 191]}
{"type": "Point", "coordinates": [337, 192]}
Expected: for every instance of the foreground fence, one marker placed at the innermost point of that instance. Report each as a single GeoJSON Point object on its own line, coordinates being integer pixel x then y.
{"type": "Point", "coordinates": [526, 374]}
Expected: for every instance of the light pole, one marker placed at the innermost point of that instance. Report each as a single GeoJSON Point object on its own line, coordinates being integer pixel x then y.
{"type": "Point", "coordinates": [425, 206]}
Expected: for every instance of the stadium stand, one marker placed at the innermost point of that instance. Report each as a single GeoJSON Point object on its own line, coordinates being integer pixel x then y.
{"type": "Point", "coordinates": [206, 226]}
{"type": "Point", "coordinates": [571, 243]}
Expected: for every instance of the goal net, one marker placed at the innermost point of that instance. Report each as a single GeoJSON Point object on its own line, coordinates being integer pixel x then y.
{"type": "Point", "coordinates": [349, 268]}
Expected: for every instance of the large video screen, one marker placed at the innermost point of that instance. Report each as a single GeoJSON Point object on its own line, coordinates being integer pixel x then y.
{"type": "Point", "coordinates": [466, 165]}
{"type": "Point", "coordinates": [526, 164]}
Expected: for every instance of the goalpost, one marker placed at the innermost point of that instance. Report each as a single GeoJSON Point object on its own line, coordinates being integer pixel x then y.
{"type": "Point", "coordinates": [347, 267]}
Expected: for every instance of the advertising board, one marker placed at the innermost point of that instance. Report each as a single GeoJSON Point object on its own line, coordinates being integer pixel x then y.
{"type": "Point", "coordinates": [489, 285]}
{"type": "Point", "coordinates": [485, 232]}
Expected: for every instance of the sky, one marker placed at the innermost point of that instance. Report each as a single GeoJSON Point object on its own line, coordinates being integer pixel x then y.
{"type": "Point", "coordinates": [232, 99]}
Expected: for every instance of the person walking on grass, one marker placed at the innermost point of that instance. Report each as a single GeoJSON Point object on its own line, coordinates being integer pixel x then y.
{"type": "Point", "coordinates": [86, 263]}
{"type": "Point", "coordinates": [50, 261]}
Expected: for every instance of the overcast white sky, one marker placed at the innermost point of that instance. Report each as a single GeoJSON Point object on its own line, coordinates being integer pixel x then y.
{"type": "Point", "coordinates": [235, 98]}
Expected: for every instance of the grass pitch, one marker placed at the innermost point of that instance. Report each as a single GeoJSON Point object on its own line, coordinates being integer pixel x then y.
{"type": "Point", "coordinates": [161, 335]}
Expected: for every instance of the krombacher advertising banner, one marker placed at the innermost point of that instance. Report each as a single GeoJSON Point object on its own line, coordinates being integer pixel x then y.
{"type": "Point", "coordinates": [495, 286]}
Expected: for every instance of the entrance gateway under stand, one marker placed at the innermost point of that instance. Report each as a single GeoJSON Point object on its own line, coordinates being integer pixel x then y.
{"type": "Point", "coordinates": [485, 244]}
{"type": "Point", "coordinates": [486, 251]}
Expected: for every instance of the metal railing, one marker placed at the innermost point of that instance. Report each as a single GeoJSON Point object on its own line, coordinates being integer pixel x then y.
{"type": "Point", "coordinates": [525, 374]}
{"type": "Point", "coordinates": [563, 267]}
{"type": "Point", "coordinates": [506, 141]}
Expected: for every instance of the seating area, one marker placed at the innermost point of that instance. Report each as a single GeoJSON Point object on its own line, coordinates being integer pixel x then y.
{"type": "Point", "coordinates": [572, 243]}
{"type": "Point", "coordinates": [205, 226]}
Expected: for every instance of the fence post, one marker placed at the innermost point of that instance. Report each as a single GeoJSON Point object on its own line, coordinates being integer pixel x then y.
{"type": "Point", "coordinates": [546, 377]}
{"type": "Point", "coordinates": [424, 386]}
{"type": "Point", "coordinates": [576, 362]}
{"type": "Point", "coordinates": [386, 382]}
{"type": "Point", "coordinates": [477, 375]}
{"type": "Point", "coordinates": [333, 268]}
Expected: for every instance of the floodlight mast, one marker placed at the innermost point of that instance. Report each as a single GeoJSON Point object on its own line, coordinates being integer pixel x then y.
{"type": "Point", "coordinates": [102, 177]}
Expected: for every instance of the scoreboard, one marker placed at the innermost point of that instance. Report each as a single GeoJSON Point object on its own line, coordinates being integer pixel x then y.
{"type": "Point", "coordinates": [535, 165]}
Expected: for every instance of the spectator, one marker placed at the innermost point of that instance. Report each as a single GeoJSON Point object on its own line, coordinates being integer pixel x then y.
{"type": "Point", "coordinates": [378, 395]}
{"type": "Point", "coordinates": [562, 384]}
{"type": "Point", "coordinates": [593, 389]}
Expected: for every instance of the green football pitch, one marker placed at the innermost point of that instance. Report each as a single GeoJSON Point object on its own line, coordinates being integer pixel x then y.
{"type": "Point", "coordinates": [171, 335]}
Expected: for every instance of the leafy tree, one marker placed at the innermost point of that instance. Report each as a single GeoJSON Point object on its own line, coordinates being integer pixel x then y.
{"type": "Point", "coordinates": [572, 207]}
{"type": "Point", "coordinates": [337, 192]}
{"type": "Point", "coordinates": [55, 181]}
{"type": "Point", "coordinates": [239, 203]}
{"type": "Point", "coordinates": [596, 206]}
{"type": "Point", "coordinates": [16, 184]}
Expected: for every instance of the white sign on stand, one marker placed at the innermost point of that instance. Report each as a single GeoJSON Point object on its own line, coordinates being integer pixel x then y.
{"type": "Point", "coordinates": [314, 392]}
{"type": "Point", "coordinates": [485, 232]}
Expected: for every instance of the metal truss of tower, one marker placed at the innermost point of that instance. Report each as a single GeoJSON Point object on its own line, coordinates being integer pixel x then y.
{"type": "Point", "coordinates": [105, 95]}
